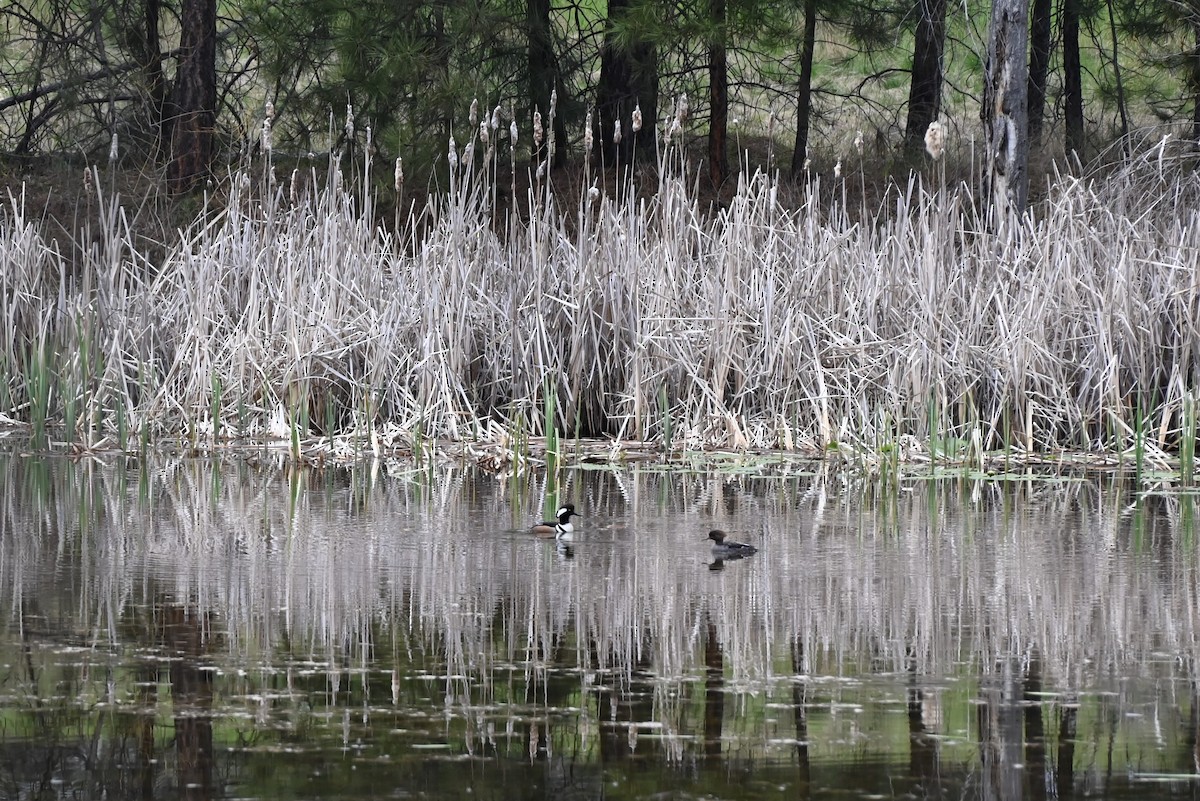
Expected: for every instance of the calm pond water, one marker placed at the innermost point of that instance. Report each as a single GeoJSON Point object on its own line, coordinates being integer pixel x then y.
{"type": "Point", "coordinates": [208, 629]}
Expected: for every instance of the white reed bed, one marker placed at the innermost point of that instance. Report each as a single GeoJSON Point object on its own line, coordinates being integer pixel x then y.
{"type": "Point", "coordinates": [660, 319]}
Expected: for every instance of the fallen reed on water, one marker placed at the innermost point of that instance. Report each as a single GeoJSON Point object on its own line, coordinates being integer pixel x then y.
{"type": "Point", "coordinates": [917, 325]}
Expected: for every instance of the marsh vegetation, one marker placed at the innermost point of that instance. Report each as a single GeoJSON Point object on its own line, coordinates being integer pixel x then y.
{"type": "Point", "coordinates": [911, 325]}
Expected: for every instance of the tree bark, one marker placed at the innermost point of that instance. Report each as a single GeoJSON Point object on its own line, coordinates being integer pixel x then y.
{"type": "Point", "coordinates": [718, 97]}
{"type": "Point", "coordinates": [808, 44]}
{"type": "Point", "coordinates": [1072, 78]}
{"type": "Point", "coordinates": [194, 100]}
{"type": "Point", "coordinates": [925, 90]}
{"type": "Point", "coordinates": [1122, 106]}
{"type": "Point", "coordinates": [628, 80]}
{"type": "Point", "coordinates": [1039, 67]}
{"type": "Point", "coordinates": [544, 77]}
{"type": "Point", "coordinates": [1005, 110]}
{"type": "Point", "coordinates": [1195, 83]}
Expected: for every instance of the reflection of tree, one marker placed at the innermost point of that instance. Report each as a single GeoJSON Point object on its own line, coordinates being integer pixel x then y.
{"type": "Point", "coordinates": [623, 705]}
{"type": "Point", "coordinates": [800, 712]}
{"type": "Point", "coordinates": [1035, 730]}
{"type": "Point", "coordinates": [714, 692]}
{"type": "Point", "coordinates": [922, 746]}
{"type": "Point", "coordinates": [1065, 773]}
{"type": "Point", "coordinates": [1000, 732]}
{"type": "Point", "coordinates": [183, 635]}
{"type": "Point", "coordinates": [143, 727]}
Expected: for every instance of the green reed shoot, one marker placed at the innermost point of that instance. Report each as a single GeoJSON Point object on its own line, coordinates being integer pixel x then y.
{"type": "Point", "coordinates": [214, 408]}
{"type": "Point", "coordinates": [664, 412]}
{"type": "Point", "coordinates": [1187, 440]}
{"type": "Point", "coordinates": [549, 393]}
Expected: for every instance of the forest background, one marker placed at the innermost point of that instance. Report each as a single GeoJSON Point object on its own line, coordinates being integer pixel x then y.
{"type": "Point", "coordinates": [699, 223]}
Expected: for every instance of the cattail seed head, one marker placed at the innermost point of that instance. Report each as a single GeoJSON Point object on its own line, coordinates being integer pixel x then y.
{"type": "Point", "coordinates": [496, 118]}
{"type": "Point", "coordinates": [87, 180]}
{"type": "Point", "coordinates": [587, 133]}
{"type": "Point", "coordinates": [636, 125]}
{"type": "Point", "coordinates": [837, 169]}
{"type": "Point", "coordinates": [512, 133]}
{"type": "Point", "coordinates": [292, 190]}
{"type": "Point", "coordinates": [935, 140]}
{"type": "Point", "coordinates": [113, 150]}
{"type": "Point", "coordinates": [553, 100]}
{"type": "Point", "coordinates": [858, 142]}
{"type": "Point", "coordinates": [349, 121]}
{"type": "Point", "coordinates": [485, 134]}
{"type": "Point", "coordinates": [538, 133]}
{"type": "Point", "coordinates": [616, 132]}
{"type": "Point", "coordinates": [399, 175]}
{"type": "Point", "coordinates": [473, 116]}
{"type": "Point", "coordinates": [452, 156]}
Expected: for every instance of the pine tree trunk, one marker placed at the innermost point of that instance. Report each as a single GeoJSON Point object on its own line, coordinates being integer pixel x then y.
{"type": "Point", "coordinates": [1195, 83]}
{"type": "Point", "coordinates": [544, 76]}
{"type": "Point", "coordinates": [1005, 111]}
{"type": "Point", "coordinates": [1072, 78]}
{"type": "Point", "coordinates": [152, 69]}
{"type": "Point", "coordinates": [804, 88]}
{"type": "Point", "coordinates": [718, 97]}
{"type": "Point", "coordinates": [194, 101]}
{"type": "Point", "coordinates": [925, 90]}
{"type": "Point", "coordinates": [628, 80]}
{"type": "Point", "coordinates": [1039, 67]}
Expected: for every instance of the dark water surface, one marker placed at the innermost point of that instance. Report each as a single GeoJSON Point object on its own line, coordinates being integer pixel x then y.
{"type": "Point", "coordinates": [200, 629]}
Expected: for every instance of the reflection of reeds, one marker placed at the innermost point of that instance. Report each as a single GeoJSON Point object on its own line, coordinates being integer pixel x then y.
{"type": "Point", "coordinates": [289, 314]}
{"type": "Point", "coordinates": [352, 567]}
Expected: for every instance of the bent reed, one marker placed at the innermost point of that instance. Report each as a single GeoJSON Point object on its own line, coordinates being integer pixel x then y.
{"type": "Point", "coordinates": [915, 329]}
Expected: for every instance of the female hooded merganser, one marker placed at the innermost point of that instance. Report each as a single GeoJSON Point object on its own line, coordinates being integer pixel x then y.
{"type": "Point", "coordinates": [728, 549]}
{"type": "Point", "coordinates": [560, 528]}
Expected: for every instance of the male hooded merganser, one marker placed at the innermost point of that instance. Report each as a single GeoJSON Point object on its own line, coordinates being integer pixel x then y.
{"type": "Point", "coordinates": [560, 528]}
{"type": "Point", "coordinates": [728, 549]}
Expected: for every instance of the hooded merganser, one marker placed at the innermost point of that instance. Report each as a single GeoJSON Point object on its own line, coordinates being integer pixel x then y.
{"type": "Point", "coordinates": [560, 528]}
{"type": "Point", "coordinates": [728, 549]}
